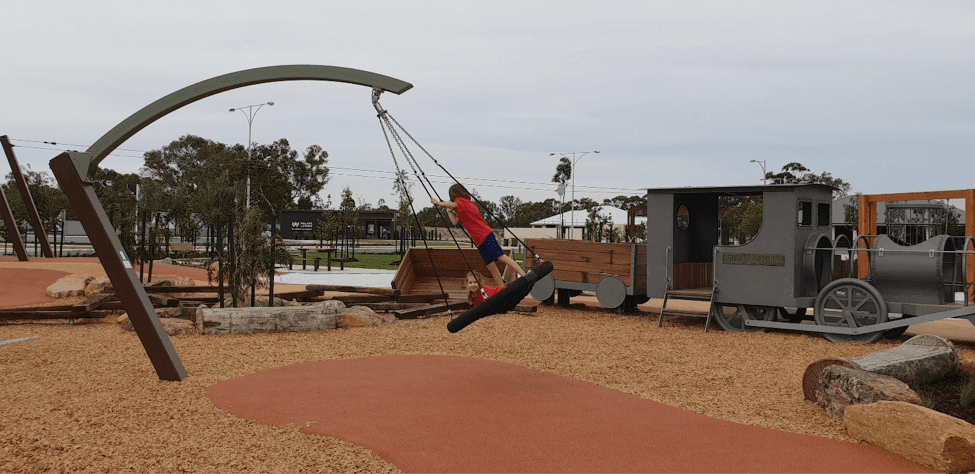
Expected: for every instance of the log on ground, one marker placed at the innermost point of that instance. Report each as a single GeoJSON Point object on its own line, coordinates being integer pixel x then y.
{"type": "Point", "coordinates": [316, 317]}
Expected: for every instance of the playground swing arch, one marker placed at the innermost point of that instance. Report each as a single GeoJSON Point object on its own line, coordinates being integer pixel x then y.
{"type": "Point", "coordinates": [73, 171]}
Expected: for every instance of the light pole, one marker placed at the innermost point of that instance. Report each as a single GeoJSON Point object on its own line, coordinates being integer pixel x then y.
{"type": "Point", "coordinates": [574, 161]}
{"type": "Point", "coordinates": [251, 112]}
{"type": "Point", "coordinates": [762, 164]}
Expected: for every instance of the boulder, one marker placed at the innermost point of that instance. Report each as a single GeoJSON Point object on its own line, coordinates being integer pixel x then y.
{"type": "Point", "coordinates": [262, 319]}
{"type": "Point", "coordinates": [172, 280]}
{"type": "Point", "coordinates": [362, 316]}
{"type": "Point", "coordinates": [172, 326]}
{"type": "Point", "coordinates": [99, 285]}
{"type": "Point", "coordinates": [840, 387]}
{"type": "Point", "coordinates": [927, 437]}
{"type": "Point", "coordinates": [71, 285]}
{"type": "Point", "coordinates": [920, 360]}
{"type": "Point", "coordinates": [811, 379]}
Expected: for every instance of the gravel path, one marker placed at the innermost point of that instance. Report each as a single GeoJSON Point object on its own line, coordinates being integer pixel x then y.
{"type": "Point", "coordinates": [85, 398]}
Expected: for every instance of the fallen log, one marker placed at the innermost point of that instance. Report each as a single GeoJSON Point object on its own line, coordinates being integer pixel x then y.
{"type": "Point", "coordinates": [273, 319]}
{"type": "Point", "coordinates": [182, 289]}
{"type": "Point", "coordinates": [424, 310]}
{"type": "Point", "coordinates": [351, 300]}
{"type": "Point", "coordinates": [92, 303]}
{"type": "Point", "coordinates": [299, 295]}
{"type": "Point", "coordinates": [355, 289]}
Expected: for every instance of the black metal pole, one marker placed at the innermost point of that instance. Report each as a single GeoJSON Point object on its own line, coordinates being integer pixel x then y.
{"type": "Point", "coordinates": [232, 248]}
{"type": "Point", "coordinates": [220, 260]}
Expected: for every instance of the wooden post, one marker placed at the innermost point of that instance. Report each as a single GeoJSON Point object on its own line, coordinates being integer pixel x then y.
{"type": "Point", "coordinates": [135, 301]}
{"type": "Point", "coordinates": [40, 236]}
{"type": "Point", "coordinates": [12, 230]}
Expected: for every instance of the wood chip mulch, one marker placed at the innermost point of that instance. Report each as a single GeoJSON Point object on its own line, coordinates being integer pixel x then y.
{"type": "Point", "coordinates": [84, 397]}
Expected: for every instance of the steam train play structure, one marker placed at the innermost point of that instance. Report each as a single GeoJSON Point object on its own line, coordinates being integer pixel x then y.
{"type": "Point", "coordinates": [791, 275]}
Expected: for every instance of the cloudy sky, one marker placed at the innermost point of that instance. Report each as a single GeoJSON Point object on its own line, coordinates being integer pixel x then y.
{"type": "Point", "coordinates": [672, 93]}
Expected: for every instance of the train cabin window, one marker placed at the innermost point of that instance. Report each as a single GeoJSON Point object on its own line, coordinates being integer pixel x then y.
{"type": "Point", "coordinates": [683, 217]}
{"type": "Point", "coordinates": [823, 215]}
{"type": "Point", "coordinates": [804, 217]}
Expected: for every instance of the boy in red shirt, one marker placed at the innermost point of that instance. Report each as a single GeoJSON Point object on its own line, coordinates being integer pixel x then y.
{"type": "Point", "coordinates": [461, 210]}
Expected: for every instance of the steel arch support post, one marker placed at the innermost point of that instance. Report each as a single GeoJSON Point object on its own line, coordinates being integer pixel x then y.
{"type": "Point", "coordinates": [12, 231]}
{"type": "Point", "coordinates": [35, 217]}
{"type": "Point", "coordinates": [73, 171]}
{"type": "Point", "coordinates": [108, 248]}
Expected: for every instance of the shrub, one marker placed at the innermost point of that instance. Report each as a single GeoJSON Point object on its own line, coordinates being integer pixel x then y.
{"type": "Point", "coordinates": [966, 393]}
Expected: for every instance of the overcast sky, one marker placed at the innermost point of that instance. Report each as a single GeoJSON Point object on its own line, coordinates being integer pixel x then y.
{"type": "Point", "coordinates": [673, 93]}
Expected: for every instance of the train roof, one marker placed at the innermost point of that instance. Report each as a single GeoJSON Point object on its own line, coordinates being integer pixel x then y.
{"type": "Point", "coordinates": [732, 190]}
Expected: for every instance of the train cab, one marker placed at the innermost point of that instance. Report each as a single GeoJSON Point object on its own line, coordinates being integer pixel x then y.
{"type": "Point", "coordinates": [776, 270]}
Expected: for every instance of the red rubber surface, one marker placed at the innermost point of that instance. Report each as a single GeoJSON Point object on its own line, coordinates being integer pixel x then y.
{"type": "Point", "coordinates": [458, 414]}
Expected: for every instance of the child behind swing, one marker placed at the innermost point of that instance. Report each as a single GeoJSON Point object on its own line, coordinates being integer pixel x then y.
{"type": "Point", "coordinates": [461, 209]}
{"type": "Point", "coordinates": [476, 294]}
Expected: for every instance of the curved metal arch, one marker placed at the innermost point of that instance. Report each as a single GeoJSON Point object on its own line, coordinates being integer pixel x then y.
{"type": "Point", "coordinates": [87, 162]}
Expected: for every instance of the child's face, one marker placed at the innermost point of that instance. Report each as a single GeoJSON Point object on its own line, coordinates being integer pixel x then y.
{"type": "Point", "coordinates": [471, 283]}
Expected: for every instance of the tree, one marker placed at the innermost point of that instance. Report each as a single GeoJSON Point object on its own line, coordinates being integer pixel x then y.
{"type": "Point", "coordinates": [280, 180]}
{"type": "Point", "coordinates": [508, 209]}
{"type": "Point", "coordinates": [563, 171]}
{"type": "Point", "coordinates": [112, 189]}
{"type": "Point", "coordinates": [47, 196]}
{"type": "Point", "coordinates": [626, 202]}
{"type": "Point", "coordinates": [796, 173]}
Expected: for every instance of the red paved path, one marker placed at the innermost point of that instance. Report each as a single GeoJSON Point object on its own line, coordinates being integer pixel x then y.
{"type": "Point", "coordinates": [460, 414]}
{"type": "Point", "coordinates": [23, 286]}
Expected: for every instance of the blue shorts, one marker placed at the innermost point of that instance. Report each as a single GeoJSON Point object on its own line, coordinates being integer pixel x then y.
{"type": "Point", "coordinates": [490, 249]}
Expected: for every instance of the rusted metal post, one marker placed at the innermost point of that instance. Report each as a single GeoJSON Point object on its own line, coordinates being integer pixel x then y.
{"type": "Point", "coordinates": [108, 248]}
{"type": "Point", "coordinates": [40, 235]}
{"type": "Point", "coordinates": [12, 231]}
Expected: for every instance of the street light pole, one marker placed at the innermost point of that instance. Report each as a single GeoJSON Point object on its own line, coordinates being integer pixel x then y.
{"type": "Point", "coordinates": [251, 112]}
{"type": "Point", "coordinates": [574, 161]}
{"type": "Point", "coordinates": [762, 164]}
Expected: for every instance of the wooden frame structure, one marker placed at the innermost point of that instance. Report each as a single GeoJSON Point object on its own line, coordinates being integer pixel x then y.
{"type": "Point", "coordinates": [867, 224]}
{"type": "Point", "coordinates": [73, 171]}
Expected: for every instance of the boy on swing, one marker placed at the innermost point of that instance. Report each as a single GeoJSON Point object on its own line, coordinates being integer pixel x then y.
{"type": "Point", "coordinates": [461, 210]}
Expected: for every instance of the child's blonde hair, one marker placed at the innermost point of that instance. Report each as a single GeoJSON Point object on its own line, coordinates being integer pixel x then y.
{"type": "Point", "coordinates": [471, 293]}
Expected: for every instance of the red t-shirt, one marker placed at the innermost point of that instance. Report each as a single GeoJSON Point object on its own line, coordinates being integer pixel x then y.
{"type": "Point", "coordinates": [471, 219]}
{"type": "Point", "coordinates": [479, 298]}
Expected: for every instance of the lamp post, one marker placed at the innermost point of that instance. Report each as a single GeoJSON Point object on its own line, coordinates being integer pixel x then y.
{"type": "Point", "coordinates": [762, 164]}
{"type": "Point", "coordinates": [574, 161]}
{"type": "Point", "coordinates": [249, 114]}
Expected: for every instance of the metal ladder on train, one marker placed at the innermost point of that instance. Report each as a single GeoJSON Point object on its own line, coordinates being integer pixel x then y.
{"type": "Point", "coordinates": [685, 294]}
{"type": "Point", "coordinates": [688, 295]}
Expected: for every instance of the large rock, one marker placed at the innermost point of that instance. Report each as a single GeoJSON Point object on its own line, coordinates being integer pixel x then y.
{"type": "Point", "coordinates": [71, 285]}
{"type": "Point", "coordinates": [927, 437]}
{"type": "Point", "coordinates": [362, 316]}
{"type": "Point", "coordinates": [99, 285]}
{"type": "Point", "coordinates": [840, 387]}
{"type": "Point", "coordinates": [316, 317]}
{"type": "Point", "coordinates": [173, 280]}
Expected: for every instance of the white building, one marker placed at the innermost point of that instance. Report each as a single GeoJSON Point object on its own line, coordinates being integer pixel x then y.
{"type": "Point", "coordinates": [572, 224]}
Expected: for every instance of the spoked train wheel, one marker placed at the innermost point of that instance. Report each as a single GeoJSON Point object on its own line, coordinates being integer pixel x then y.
{"type": "Point", "coordinates": [850, 302]}
{"type": "Point", "coordinates": [732, 317]}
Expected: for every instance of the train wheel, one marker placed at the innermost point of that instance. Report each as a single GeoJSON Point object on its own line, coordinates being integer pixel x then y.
{"type": "Point", "coordinates": [794, 318]}
{"type": "Point", "coordinates": [850, 302]}
{"type": "Point", "coordinates": [732, 317]}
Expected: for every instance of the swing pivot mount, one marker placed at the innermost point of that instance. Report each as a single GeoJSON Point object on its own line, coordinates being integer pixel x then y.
{"type": "Point", "coordinates": [376, 92]}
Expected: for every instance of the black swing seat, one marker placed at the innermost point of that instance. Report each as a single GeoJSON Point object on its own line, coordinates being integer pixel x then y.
{"type": "Point", "coordinates": [504, 300]}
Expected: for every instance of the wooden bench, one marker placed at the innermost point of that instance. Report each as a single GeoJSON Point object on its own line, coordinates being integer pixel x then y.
{"type": "Point", "coordinates": [341, 262]}
{"type": "Point", "coordinates": [304, 262]}
{"type": "Point", "coordinates": [184, 248]}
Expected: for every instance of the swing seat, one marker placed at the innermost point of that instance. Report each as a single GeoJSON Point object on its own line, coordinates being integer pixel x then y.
{"type": "Point", "coordinates": [504, 300]}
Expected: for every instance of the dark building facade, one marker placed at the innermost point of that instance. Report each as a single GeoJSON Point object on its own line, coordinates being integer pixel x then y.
{"type": "Point", "coordinates": [301, 223]}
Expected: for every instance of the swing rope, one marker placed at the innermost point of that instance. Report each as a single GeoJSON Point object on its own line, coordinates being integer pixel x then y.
{"type": "Point", "coordinates": [478, 201]}
{"type": "Point", "coordinates": [427, 187]}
